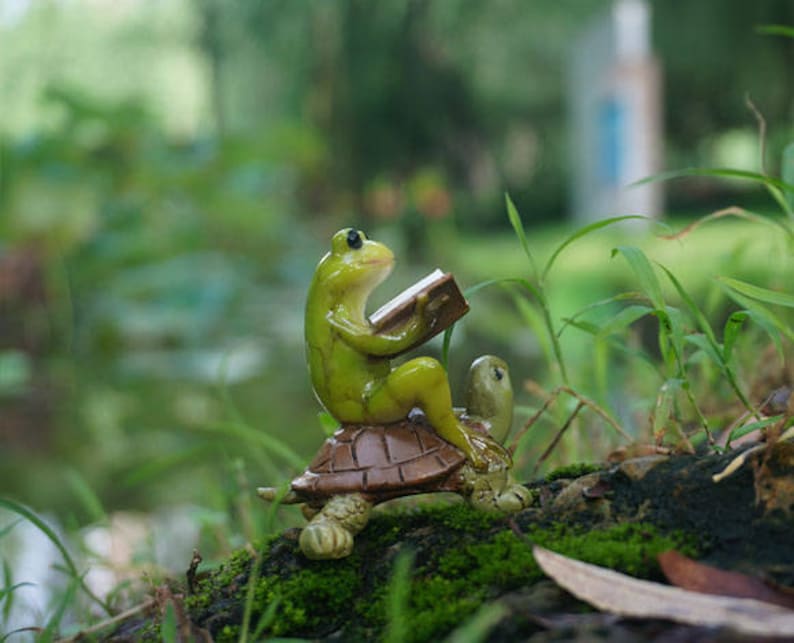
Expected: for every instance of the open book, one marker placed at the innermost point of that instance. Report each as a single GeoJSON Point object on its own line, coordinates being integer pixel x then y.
{"type": "Point", "coordinates": [444, 300]}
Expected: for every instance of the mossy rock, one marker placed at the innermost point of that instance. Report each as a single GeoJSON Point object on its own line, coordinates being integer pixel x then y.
{"type": "Point", "coordinates": [458, 563]}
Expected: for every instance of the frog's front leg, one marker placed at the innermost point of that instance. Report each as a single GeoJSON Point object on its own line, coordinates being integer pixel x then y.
{"type": "Point", "coordinates": [422, 382]}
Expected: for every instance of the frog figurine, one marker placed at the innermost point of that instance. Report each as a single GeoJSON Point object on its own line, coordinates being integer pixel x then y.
{"type": "Point", "coordinates": [400, 433]}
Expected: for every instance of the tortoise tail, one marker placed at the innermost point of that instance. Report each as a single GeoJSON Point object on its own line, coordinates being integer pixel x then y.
{"type": "Point", "coordinates": [271, 494]}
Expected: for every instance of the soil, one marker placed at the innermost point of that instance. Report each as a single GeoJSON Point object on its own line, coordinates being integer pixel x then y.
{"type": "Point", "coordinates": [419, 572]}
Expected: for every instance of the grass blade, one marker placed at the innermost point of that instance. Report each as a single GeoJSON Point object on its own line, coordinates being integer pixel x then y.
{"type": "Point", "coordinates": [739, 213]}
{"type": "Point", "coordinates": [706, 346]}
{"type": "Point", "coordinates": [399, 592]}
{"type": "Point", "coordinates": [478, 627]}
{"type": "Point", "coordinates": [86, 496]}
{"type": "Point", "coordinates": [168, 626]}
{"type": "Point", "coordinates": [644, 270]}
{"type": "Point", "coordinates": [620, 297]}
{"type": "Point", "coordinates": [581, 232]}
{"type": "Point", "coordinates": [269, 442]}
{"type": "Point", "coordinates": [42, 526]}
{"type": "Point", "coordinates": [49, 633]}
{"type": "Point", "coordinates": [775, 30]}
{"type": "Point", "coordinates": [730, 332]}
{"type": "Point", "coordinates": [267, 618]}
{"type": "Point", "coordinates": [765, 319]}
{"type": "Point", "coordinates": [518, 227]}
{"type": "Point", "coordinates": [623, 319]}
{"type": "Point", "coordinates": [756, 292]}
{"type": "Point", "coordinates": [468, 292]}
{"type": "Point", "coordinates": [722, 173]}
{"type": "Point", "coordinates": [743, 430]}
{"type": "Point", "coordinates": [253, 579]}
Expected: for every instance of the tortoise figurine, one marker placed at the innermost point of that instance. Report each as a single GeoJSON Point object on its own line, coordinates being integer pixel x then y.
{"type": "Point", "coordinates": [362, 465]}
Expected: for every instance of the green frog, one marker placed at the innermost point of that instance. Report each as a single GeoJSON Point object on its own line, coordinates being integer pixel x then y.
{"type": "Point", "coordinates": [350, 364]}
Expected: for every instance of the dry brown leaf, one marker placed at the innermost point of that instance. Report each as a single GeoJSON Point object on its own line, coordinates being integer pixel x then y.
{"type": "Point", "coordinates": [690, 574]}
{"type": "Point", "coordinates": [611, 591]}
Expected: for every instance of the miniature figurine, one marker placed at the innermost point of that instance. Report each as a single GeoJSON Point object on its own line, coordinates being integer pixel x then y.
{"type": "Point", "coordinates": [349, 362]}
{"type": "Point", "coordinates": [362, 465]}
{"type": "Point", "coordinates": [400, 434]}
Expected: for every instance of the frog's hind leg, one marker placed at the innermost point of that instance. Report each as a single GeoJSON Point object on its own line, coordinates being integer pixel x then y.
{"type": "Point", "coordinates": [422, 382]}
{"type": "Point", "coordinates": [330, 532]}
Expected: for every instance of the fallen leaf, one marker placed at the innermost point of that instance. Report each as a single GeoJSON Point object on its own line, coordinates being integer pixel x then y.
{"type": "Point", "coordinates": [614, 592]}
{"type": "Point", "coordinates": [690, 574]}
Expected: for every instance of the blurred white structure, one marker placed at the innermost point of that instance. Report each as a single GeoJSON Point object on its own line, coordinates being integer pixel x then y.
{"type": "Point", "coordinates": [616, 121]}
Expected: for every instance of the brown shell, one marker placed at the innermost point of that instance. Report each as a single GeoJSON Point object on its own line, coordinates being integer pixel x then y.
{"type": "Point", "coordinates": [382, 462]}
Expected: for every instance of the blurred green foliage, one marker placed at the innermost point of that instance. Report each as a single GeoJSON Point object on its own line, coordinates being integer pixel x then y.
{"type": "Point", "coordinates": [170, 174]}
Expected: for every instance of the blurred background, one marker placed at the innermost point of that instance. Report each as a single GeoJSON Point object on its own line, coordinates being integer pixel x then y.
{"type": "Point", "coordinates": [171, 172]}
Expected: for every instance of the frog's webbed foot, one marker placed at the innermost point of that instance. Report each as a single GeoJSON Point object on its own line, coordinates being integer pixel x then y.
{"type": "Point", "coordinates": [495, 491]}
{"type": "Point", "coordinates": [486, 454]}
{"type": "Point", "coordinates": [330, 532]}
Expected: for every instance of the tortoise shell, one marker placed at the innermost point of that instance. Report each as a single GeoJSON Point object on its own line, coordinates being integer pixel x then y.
{"type": "Point", "coordinates": [382, 462]}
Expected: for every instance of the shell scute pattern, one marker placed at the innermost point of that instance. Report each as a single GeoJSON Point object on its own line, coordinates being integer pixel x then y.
{"type": "Point", "coordinates": [379, 460]}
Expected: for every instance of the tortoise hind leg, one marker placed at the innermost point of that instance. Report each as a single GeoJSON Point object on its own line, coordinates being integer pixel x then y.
{"type": "Point", "coordinates": [330, 533]}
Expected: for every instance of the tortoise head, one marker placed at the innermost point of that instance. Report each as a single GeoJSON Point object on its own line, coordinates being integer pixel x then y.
{"type": "Point", "coordinates": [489, 395]}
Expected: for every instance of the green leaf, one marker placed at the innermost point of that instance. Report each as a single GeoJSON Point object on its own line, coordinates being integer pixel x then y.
{"type": "Point", "coordinates": [723, 173]}
{"type": "Point", "coordinates": [642, 268]}
{"type": "Point", "coordinates": [624, 318]}
{"type": "Point", "coordinates": [730, 332]}
{"type": "Point", "coordinates": [743, 430]}
{"type": "Point", "coordinates": [518, 227]}
{"type": "Point", "coordinates": [764, 318]}
{"type": "Point", "coordinates": [700, 318]}
{"type": "Point", "coordinates": [620, 297]}
{"type": "Point", "coordinates": [671, 335]}
{"type": "Point", "coordinates": [581, 232]}
{"type": "Point", "coordinates": [614, 343]}
{"type": "Point", "coordinates": [775, 187]}
{"type": "Point", "coordinates": [756, 292]}
{"type": "Point", "coordinates": [703, 343]}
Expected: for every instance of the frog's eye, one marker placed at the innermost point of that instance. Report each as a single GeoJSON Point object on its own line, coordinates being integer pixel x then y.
{"type": "Point", "coordinates": [354, 239]}
{"type": "Point", "coordinates": [498, 373]}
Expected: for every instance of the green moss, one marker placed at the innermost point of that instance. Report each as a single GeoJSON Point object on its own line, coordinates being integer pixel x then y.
{"type": "Point", "coordinates": [574, 470]}
{"type": "Point", "coordinates": [461, 517]}
{"type": "Point", "coordinates": [312, 598]}
{"type": "Point", "coordinates": [468, 560]}
{"type": "Point", "coordinates": [464, 577]}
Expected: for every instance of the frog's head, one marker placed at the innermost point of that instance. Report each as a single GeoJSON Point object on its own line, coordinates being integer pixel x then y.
{"type": "Point", "coordinates": [355, 265]}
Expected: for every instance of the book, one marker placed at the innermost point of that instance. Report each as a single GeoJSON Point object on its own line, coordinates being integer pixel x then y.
{"type": "Point", "coordinates": [446, 304]}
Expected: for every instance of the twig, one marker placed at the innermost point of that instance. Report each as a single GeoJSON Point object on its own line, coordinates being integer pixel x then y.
{"type": "Point", "coordinates": [761, 131]}
{"type": "Point", "coordinates": [557, 437]}
{"type": "Point", "coordinates": [528, 424]}
{"type": "Point", "coordinates": [98, 627]}
{"type": "Point", "coordinates": [195, 561]}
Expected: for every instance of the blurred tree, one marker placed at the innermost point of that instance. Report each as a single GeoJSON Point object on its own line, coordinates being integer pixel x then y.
{"type": "Point", "coordinates": [471, 91]}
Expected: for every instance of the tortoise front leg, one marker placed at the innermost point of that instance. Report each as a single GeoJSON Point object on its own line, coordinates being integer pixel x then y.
{"type": "Point", "coordinates": [330, 533]}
